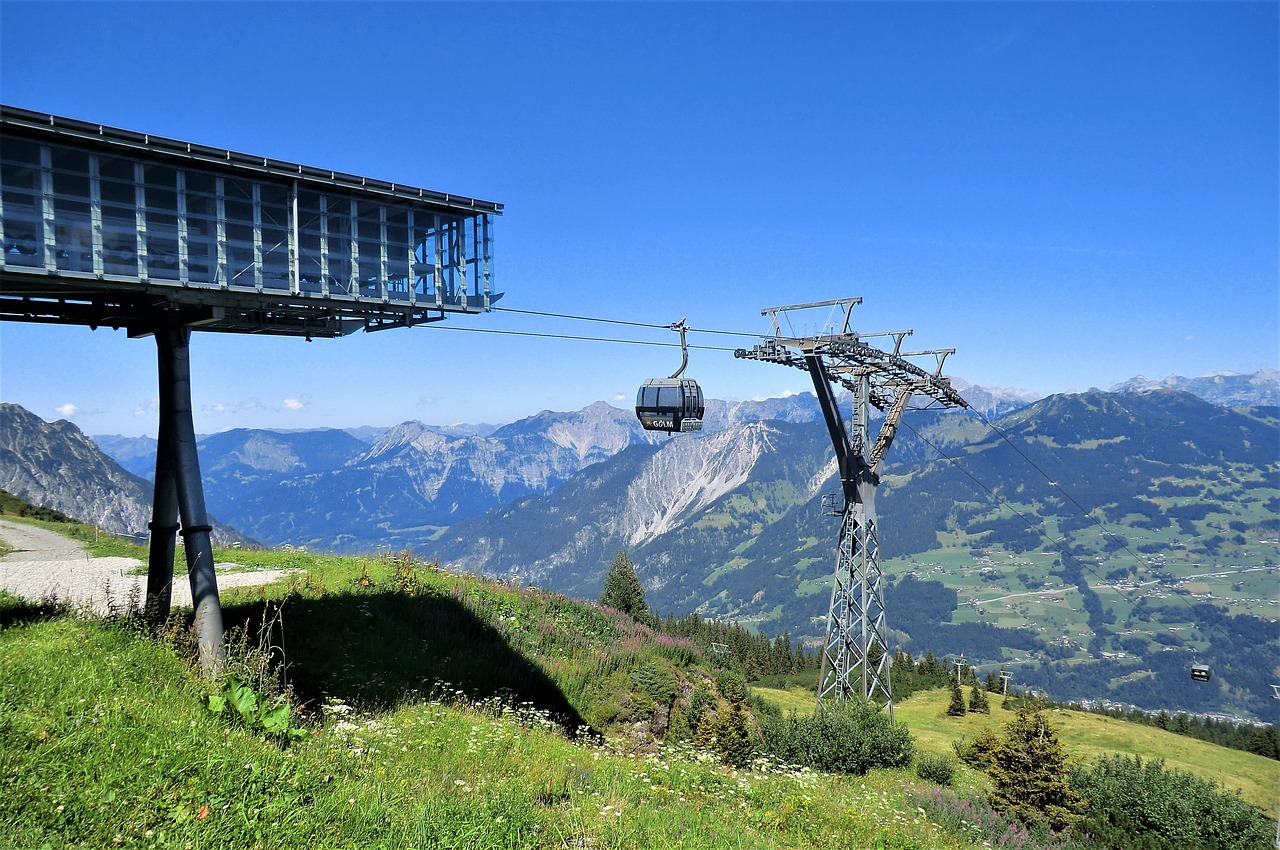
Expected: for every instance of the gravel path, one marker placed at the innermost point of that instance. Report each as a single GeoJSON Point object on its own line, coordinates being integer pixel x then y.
{"type": "Point", "coordinates": [44, 565]}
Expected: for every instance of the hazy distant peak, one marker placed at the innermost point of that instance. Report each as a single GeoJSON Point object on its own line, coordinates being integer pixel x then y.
{"type": "Point", "coordinates": [1223, 388]}
{"type": "Point", "coordinates": [994, 400]}
{"type": "Point", "coordinates": [411, 434]}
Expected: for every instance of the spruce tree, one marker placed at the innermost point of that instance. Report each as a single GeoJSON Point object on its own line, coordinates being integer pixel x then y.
{"type": "Point", "coordinates": [956, 709]}
{"type": "Point", "coordinates": [706, 737]}
{"type": "Point", "coordinates": [1029, 773]}
{"type": "Point", "coordinates": [733, 737]}
{"type": "Point", "coordinates": [978, 701]}
{"type": "Point", "coordinates": [622, 588]}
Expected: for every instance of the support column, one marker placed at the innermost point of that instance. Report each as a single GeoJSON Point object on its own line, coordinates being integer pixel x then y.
{"type": "Point", "coordinates": [164, 528]}
{"type": "Point", "coordinates": [178, 480]}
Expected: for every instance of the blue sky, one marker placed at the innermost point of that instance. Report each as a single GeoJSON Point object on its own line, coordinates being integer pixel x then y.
{"type": "Point", "coordinates": [1070, 194]}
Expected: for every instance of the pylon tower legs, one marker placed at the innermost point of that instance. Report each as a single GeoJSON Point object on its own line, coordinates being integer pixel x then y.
{"type": "Point", "coordinates": [855, 659]}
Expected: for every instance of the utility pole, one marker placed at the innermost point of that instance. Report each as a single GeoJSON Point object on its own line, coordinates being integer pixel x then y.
{"type": "Point", "coordinates": [855, 657]}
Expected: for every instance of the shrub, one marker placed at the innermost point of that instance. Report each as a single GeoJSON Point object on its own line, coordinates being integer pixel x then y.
{"type": "Point", "coordinates": [956, 708]}
{"type": "Point", "coordinates": [978, 753]}
{"type": "Point", "coordinates": [1136, 805]}
{"type": "Point", "coordinates": [851, 738]}
{"type": "Point", "coordinates": [978, 702]}
{"type": "Point", "coordinates": [974, 819]}
{"type": "Point", "coordinates": [939, 770]}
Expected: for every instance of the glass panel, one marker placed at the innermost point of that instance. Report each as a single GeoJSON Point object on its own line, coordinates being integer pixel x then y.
{"type": "Point", "coordinates": [239, 207]}
{"type": "Point", "coordinates": [369, 237]}
{"type": "Point", "coordinates": [160, 187]}
{"type": "Point", "coordinates": [275, 236]}
{"type": "Point", "coordinates": [669, 398]}
{"type": "Point", "coordinates": [119, 216]}
{"type": "Point", "coordinates": [73, 233]}
{"type": "Point", "coordinates": [339, 245]}
{"type": "Point", "coordinates": [309, 233]}
{"type": "Point", "coordinates": [20, 176]}
{"type": "Point", "coordinates": [202, 227]}
{"type": "Point", "coordinates": [398, 280]}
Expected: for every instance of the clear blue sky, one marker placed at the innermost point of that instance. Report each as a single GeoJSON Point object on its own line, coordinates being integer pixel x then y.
{"type": "Point", "coordinates": [1070, 194]}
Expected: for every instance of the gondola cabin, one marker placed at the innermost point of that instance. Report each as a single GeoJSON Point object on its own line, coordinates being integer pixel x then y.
{"type": "Point", "coordinates": [673, 405]}
{"type": "Point", "coordinates": [1201, 672]}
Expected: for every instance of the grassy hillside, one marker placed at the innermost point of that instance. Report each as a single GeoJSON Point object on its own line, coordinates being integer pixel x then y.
{"type": "Point", "coordinates": [439, 712]}
{"type": "Point", "coordinates": [1086, 737]}
{"type": "Point", "coordinates": [432, 710]}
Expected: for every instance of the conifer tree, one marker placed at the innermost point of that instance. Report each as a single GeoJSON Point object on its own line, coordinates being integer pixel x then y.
{"type": "Point", "coordinates": [929, 664]}
{"type": "Point", "coordinates": [1029, 772]}
{"type": "Point", "coordinates": [622, 588]}
{"type": "Point", "coordinates": [733, 737]}
{"type": "Point", "coordinates": [706, 737]}
{"type": "Point", "coordinates": [978, 700]}
{"type": "Point", "coordinates": [956, 709]}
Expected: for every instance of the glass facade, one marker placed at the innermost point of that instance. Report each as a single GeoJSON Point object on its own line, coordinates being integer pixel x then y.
{"type": "Point", "coordinates": [90, 213]}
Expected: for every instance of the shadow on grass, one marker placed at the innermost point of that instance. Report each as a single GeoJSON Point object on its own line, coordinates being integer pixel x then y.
{"type": "Point", "coordinates": [378, 650]}
{"type": "Point", "coordinates": [15, 611]}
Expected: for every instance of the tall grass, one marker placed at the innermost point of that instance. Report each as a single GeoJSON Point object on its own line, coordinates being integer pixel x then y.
{"type": "Point", "coordinates": [105, 740]}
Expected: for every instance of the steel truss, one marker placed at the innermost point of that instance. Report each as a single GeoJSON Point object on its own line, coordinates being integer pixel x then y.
{"type": "Point", "coordinates": [855, 656]}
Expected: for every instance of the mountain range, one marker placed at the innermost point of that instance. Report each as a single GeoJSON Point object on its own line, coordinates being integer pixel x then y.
{"type": "Point", "coordinates": [1080, 538]}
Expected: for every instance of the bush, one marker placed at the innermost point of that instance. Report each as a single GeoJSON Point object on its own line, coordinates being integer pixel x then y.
{"type": "Point", "coordinates": [851, 738]}
{"type": "Point", "coordinates": [978, 753]}
{"type": "Point", "coordinates": [1136, 805]}
{"type": "Point", "coordinates": [973, 818]}
{"type": "Point", "coordinates": [939, 770]}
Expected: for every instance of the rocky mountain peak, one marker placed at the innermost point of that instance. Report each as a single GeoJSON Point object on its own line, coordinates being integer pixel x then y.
{"type": "Point", "coordinates": [1223, 388]}
{"type": "Point", "coordinates": [54, 465]}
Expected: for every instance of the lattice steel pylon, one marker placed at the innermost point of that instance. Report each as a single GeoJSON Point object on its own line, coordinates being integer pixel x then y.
{"type": "Point", "coordinates": [855, 656]}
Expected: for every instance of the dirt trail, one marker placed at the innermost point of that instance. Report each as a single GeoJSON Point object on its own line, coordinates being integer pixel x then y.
{"type": "Point", "coordinates": [46, 565]}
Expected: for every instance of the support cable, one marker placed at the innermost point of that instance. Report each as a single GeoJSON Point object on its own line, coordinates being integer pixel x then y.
{"type": "Point", "coordinates": [544, 335]}
{"type": "Point", "coordinates": [620, 322]}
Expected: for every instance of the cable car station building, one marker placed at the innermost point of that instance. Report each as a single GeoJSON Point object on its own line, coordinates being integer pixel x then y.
{"type": "Point", "coordinates": [111, 228]}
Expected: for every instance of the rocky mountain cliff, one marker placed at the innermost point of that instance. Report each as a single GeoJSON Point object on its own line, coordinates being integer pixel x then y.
{"type": "Point", "coordinates": [332, 490]}
{"type": "Point", "coordinates": [54, 465]}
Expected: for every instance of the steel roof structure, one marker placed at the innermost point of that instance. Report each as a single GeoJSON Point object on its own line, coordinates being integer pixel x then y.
{"type": "Point", "coordinates": [108, 227]}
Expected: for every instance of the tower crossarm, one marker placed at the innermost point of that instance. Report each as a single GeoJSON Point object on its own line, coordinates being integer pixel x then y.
{"type": "Point", "coordinates": [847, 355]}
